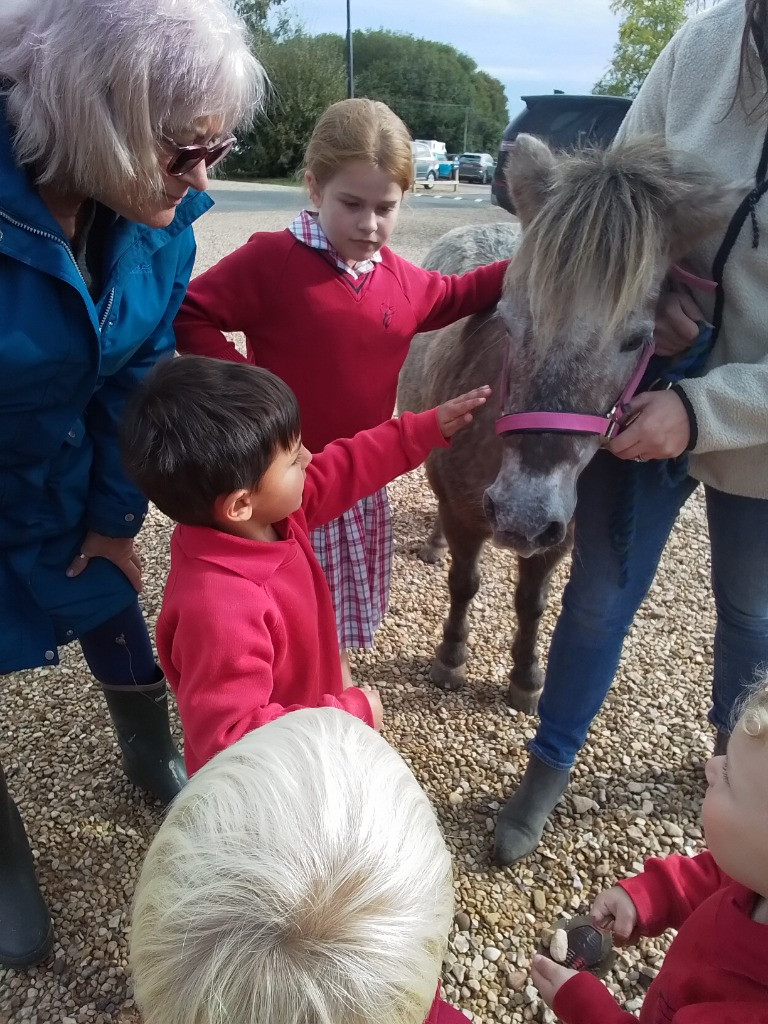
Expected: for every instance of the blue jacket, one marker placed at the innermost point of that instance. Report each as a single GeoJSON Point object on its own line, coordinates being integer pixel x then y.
{"type": "Point", "coordinates": [67, 363]}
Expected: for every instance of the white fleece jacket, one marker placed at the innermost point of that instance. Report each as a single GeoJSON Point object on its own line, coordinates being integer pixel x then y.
{"type": "Point", "coordinates": [687, 98]}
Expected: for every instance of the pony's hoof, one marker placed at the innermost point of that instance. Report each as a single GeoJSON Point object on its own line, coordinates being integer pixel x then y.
{"type": "Point", "coordinates": [525, 700]}
{"type": "Point", "coordinates": [431, 555]}
{"type": "Point", "coordinates": [447, 678]}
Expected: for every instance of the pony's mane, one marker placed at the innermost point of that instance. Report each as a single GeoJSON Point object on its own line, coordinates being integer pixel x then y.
{"type": "Point", "coordinates": [599, 235]}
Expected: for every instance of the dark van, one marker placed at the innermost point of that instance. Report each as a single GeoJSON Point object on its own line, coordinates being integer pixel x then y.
{"type": "Point", "coordinates": [563, 121]}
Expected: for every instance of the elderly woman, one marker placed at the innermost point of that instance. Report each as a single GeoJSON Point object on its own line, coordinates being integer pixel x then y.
{"type": "Point", "coordinates": [110, 114]}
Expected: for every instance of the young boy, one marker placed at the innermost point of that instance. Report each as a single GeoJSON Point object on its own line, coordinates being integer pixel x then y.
{"type": "Point", "coordinates": [247, 630]}
{"type": "Point", "coordinates": [300, 876]}
{"type": "Point", "coordinates": [716, 970]}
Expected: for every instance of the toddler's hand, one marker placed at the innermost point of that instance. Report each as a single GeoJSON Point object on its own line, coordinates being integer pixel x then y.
{"type": "Point", "coordinates": [376, 706]}
{"type": "Point", "coordinates": [549, 977]}
{"type": "Point", "coordinates": [457, 413]}
{"type": "Point", "coordinates": [613, 911]}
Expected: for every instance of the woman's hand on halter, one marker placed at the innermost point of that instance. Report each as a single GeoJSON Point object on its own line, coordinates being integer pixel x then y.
{"type": "Point", "coordinates": [457, 413]}
{"type": "Point", "coordinates": [658, 428]}
{"type": "Point", "coordinates": [118, 550]}
{"type": "Point", "coordinates": [678, 320]}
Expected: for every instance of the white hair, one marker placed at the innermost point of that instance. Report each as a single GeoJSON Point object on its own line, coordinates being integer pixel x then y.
{"type": "Point", "coordinates": [92, 85]}
{"type": "Point", "coordinates": [300, 878]}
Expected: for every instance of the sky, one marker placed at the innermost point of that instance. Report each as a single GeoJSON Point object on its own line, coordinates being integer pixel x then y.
{"type": "Point", "coordinates": [531, 46]}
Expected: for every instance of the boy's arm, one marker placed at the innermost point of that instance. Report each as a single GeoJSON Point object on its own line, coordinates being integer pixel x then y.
{"type": "Point", "coordinates": [668, 890]}
{"type": "Point", "coordinates": [584, 999]}
{"type": "Point", "coordinates": [441, 299]}
{"type": "Point", "coordinates": [224, 298]}
{"type": "Point", "coordinates": [224, 649]}
{"type": "Point", "coordinates": [346, 471]}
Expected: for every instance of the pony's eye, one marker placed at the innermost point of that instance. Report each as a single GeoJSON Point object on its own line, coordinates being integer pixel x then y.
{"type": "Point", "coordinates": [634, 341]}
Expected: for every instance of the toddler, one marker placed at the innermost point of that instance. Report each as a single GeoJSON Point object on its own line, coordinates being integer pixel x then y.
{"type": "Point", "coordinates": [246, 631]}
{"type": "Point", "coordinates": [301, 876]}
{"type": "Point", "coordinates": [327, 306]}
{"type": "Point", "coordinates": [716, 970]}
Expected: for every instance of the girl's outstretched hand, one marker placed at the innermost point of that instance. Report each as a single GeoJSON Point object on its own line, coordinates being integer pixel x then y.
{"type": "Point", "coordinates": [457, 413]}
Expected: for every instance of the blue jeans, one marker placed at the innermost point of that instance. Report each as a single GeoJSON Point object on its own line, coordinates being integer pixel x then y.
{"type": "Point", "coordinates": [598, 611]}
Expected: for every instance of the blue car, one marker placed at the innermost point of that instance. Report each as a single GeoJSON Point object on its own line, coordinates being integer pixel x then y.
{"type": "Point", "coordinates": [447, 168]}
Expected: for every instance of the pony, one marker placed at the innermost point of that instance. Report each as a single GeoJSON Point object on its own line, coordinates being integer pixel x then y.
{"type": "Point", "coordinates": [598, 232]}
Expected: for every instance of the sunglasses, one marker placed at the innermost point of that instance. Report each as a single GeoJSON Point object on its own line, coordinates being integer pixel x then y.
{"type": "Point", "coordinates": [184, 158]}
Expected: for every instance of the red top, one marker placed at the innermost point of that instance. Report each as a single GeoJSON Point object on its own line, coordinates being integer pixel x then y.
{"type": "Point", "coordinates": [443, 1013]}
{"type": "Point", "coordinates": [247, 629]}
{"type": "Point", "coordinates": [338, 342]}
{"type": "Point", "coordinates": [716, 970]}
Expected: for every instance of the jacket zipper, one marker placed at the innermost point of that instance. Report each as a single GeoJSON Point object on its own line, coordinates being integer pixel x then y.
{"type": "Point", "coordinates": [60, 241]}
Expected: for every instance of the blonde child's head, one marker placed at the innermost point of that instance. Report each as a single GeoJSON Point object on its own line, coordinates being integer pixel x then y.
{"type": "Point", "coordinates": [735, 809]}
{"type": "Point", "coordinates": [300, 876]}
{"type": "Point", "coordinates": [364, 131]}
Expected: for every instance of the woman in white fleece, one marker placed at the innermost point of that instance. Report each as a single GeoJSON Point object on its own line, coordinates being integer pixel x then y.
{"type": "Point", "coordinates": [707, 94]}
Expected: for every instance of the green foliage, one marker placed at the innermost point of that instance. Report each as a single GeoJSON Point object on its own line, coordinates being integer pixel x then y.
{"type": "Point", "coordinates": [644, 31]}
{"type": "Point", "coordinates": [306, 77]}
{"type": "Point", "coordinates": [255, 13]}
{"type": "Point", "coordinates": [438, 92]}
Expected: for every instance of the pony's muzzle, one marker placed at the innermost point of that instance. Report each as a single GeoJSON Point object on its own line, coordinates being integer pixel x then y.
{"type": "Point", "coordinates": [524, 536]}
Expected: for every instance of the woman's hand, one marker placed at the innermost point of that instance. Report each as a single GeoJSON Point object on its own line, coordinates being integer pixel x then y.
{"type": "Point", "coordinates": [658, 428]}
{"type": "Point", "coordinates": [549, 977]}
{"type": "Point", "coordinates": [457, 413]}
{"type": "Point", "coordinates": [613, 911]}
{"type": "Point", "coordinates": [678, 321]}
{"type": "Point", "coordinates": [118, 550]}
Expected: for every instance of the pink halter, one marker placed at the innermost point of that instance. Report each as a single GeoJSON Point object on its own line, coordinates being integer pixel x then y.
{"type": "Point", "coordinates": [588, 423]}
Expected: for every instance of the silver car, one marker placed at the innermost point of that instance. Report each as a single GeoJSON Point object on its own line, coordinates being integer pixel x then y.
{"type": "Point", "coordinates": [425, 168]}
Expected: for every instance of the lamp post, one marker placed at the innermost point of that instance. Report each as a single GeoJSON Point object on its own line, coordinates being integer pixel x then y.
{"type": "Point", "coordinates": [350, 61]}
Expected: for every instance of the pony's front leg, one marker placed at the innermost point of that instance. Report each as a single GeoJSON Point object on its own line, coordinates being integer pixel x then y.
{"type": "Point", "coordinates": [448, 669]}
{"type": "Point", "coordinates": [534, 575]}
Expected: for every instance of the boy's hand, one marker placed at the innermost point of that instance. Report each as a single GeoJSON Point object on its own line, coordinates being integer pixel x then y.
{"type": "Point", "coordinates": [457, 413]}
{"type": "Point", "coordinates": [376, 706]}
{"type": "Point", "coordinates": [613, 911]}
{"type": "Point", "coordinates": [549, 977]}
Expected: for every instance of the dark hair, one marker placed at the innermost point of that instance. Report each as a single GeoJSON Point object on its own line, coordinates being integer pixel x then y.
{"type": "Point", "coordinates": [198, 428]}
{"type": "Point", "coordinates": [755, 27]}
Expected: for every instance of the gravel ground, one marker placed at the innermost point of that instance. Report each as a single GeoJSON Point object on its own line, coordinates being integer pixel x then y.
{"type": "Point", "coordinates": [636, 790]}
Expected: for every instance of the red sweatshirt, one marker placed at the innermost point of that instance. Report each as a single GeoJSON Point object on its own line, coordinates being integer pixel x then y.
{"type": "Point", "coordinates": [716, 970]}
{"type": "Point", "coordinates": [247, 629]}
{"type": "Point", "coordinates": [338, 342]}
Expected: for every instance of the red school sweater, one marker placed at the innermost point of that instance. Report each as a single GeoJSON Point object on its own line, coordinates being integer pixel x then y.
{"type": "Point", "coordinates": [716, 970]}
{"type": "Point", "coordinates": [247, 630]}
{"type": "Point", "coordinates": [338, 342]}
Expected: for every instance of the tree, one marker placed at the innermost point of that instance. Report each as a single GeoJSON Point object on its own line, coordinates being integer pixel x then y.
{"type": "Point", "coordinates": [644, 31]}
{"type": "Point", "coordinates": [306, 76]}
{"type": "Point", "coordinates": [255, 13]}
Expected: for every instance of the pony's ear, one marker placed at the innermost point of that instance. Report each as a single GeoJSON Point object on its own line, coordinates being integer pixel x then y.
{"type": "Point", "coordinates": [705, 206]}
{"type": "Point", "coordinates": [530, 173]}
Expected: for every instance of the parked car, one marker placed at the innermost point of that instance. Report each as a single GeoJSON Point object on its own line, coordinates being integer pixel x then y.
{"type": "Point", "coordinates": [448, 167]}
{"type": "Point", "coordinates": [564, 122]}
{"type": "Point", "coordinates": [476, 167]}
{"type": "Point", "coordinates": [425, 167]}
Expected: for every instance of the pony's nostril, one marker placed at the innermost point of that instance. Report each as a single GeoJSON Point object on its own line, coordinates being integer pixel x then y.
{"type": "Point", "coordinates": [552, 534]}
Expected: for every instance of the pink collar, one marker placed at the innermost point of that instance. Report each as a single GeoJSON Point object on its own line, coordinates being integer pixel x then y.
{"type": "Point", "coordinates": [587, 423]}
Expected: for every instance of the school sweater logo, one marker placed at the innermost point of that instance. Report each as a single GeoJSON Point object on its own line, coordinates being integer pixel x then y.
{"type": "Point", "coordinates": [387, 313]}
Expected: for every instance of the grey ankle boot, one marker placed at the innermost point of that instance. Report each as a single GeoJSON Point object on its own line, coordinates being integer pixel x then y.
{"type": "Point", "coordinates": [522, 819]}
{"type": "Point", "coordinates": [150, 758]}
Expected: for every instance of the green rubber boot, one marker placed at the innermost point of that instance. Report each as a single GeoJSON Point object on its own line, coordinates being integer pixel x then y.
{"type": "Point", "coordinates": [26, 931]}
{"type": "Point", "coordinates": [150, 758]}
